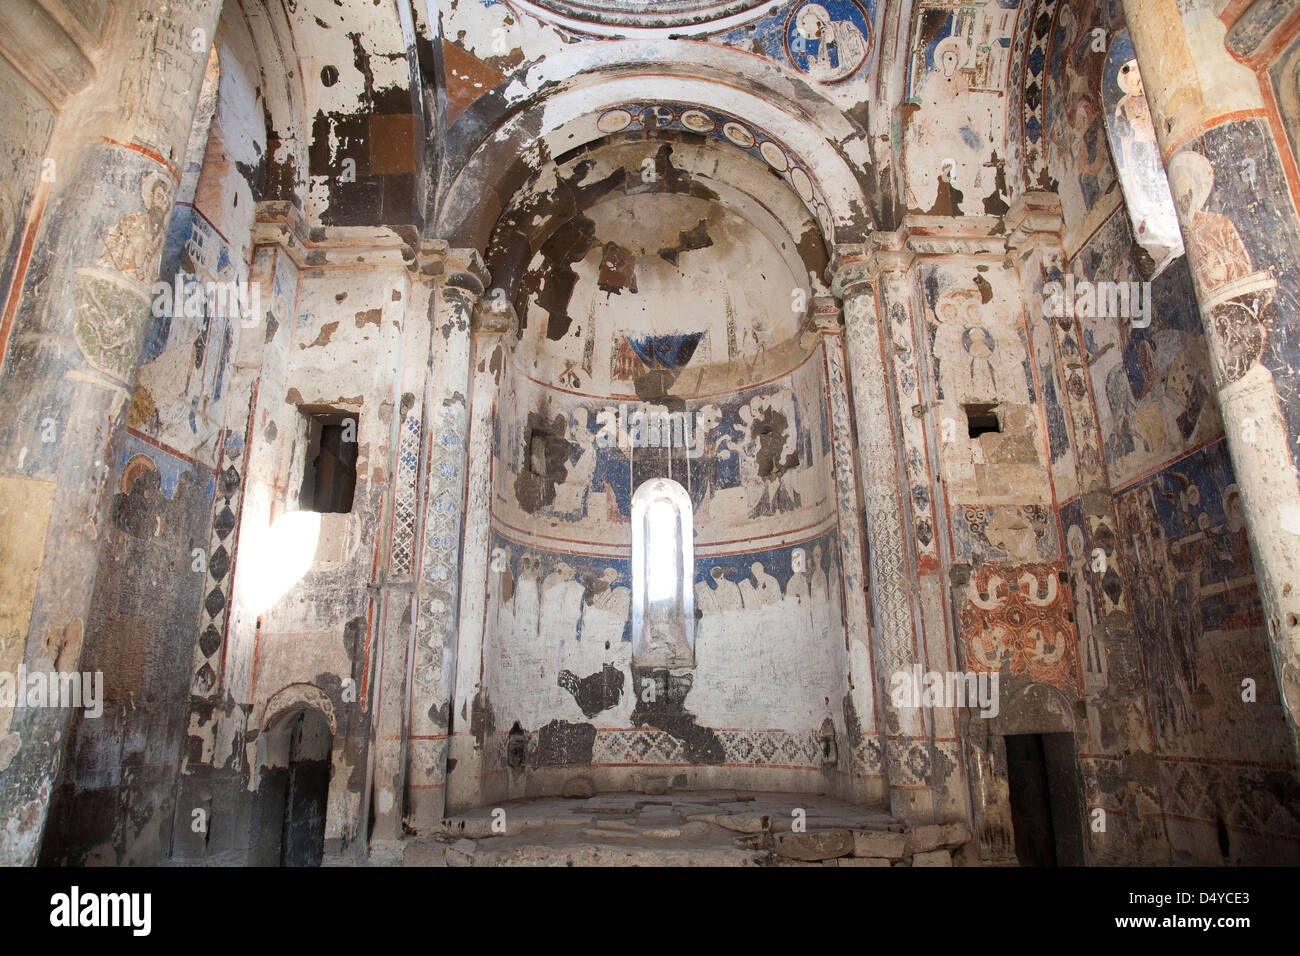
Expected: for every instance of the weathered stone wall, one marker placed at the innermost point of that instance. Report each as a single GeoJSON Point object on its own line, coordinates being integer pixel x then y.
{"type": "Point", "coordinates": [1175, 536]}
{"type": "Point", "coordinates": [768, 631]}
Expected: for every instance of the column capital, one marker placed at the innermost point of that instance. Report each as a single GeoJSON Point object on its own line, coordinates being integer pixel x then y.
{"type": "Point", "coordinates": [494, 315]}
{"type": "Point", "coordinates": [1034, 219]}
{"type": "Point", "coordinates": [856, 267]}
{"type": "Point", "coordinates": [853, 270]}
{"type": "Point", "coordinates": [464, 269]}
{"type": "Point", "coordinates": [826, 315]}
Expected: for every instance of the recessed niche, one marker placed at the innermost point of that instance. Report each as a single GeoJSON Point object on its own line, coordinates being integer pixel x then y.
{"type": "Point", "coordinates": [329, 475]}
{"type": "Point", "coordinates": [982, 419]}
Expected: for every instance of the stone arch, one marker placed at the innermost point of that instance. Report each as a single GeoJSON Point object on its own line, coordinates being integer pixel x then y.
{"type": "Point", "coordinates": [290, 776]}
{"type": "Point", "coordinates": [1034, 708]}
{"type": "Point", "coordinates": [555, 108]}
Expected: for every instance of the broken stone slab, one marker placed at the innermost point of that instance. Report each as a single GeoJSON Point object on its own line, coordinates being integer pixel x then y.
{"type": "Point", "coordinates": [863, 861]}
{"type": "Point", "coordinates": [641, 833]}
{"type": "Point", "coordinates": [461, 853]}
{"type": "Point", "coordinates": [696, 829]}
{"type": "Point", "coordinates": [621, 825]}
{"type": "Point", "coordinates": [955, 834]}
{"type": "Point", "coordinates": [578, 788]}
{"type": "Point", "coordinates": [814, 845]}
{"type": "Point", "coordinates": [657, 816]}
{"type": "Point", "coordinates": [932, 858]}
{"type": "Point", "coordinates": [923, 839]}
{"type": "Point", "coordinates": [743, 822]}
{"type": "Point", "coordinates": [702, 817]}
{"type": "Point", "coordinates": [877, 843]}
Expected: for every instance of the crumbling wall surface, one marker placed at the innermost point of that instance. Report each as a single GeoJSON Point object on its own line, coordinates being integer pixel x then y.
{"type": "Point", "coordinates": [1156, 495]}
{"type": "Point", "coordinates": [116, 797]}
{"type": "Point", "coordinates": [200, 422]}
{"type": "Point", "coordinates": [765, 583]}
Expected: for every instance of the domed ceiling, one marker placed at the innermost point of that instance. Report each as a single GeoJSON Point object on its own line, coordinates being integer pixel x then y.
{"type": "Point", "coordinates": [637, 15]}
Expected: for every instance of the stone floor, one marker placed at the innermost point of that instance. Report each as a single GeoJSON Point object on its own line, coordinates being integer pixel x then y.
{"type": "Point", "coordinates": [696, 828]}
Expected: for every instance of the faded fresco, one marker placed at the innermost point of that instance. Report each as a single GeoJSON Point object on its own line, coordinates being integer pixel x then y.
{"type": "Point", "coordinates": [1137, 158]}
{"type": "Point", "coordinates": [558, 618]}
{"type": "Point", "coordinates": [762, 454]}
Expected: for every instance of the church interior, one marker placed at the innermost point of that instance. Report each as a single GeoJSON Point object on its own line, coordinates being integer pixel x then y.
{"type": "Point", "coordinates": [694, 432]}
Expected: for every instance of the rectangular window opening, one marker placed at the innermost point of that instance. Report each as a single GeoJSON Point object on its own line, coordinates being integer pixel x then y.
{"type": "Point", "coordinates": [329, 475]}
{"type": "Point", "coordinates": [982, 419]}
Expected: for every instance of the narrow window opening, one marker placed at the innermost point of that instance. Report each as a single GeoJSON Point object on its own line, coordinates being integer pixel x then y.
{"type": "Point", "coordinates": [663, 572]}
{"type": "Point", "coordinates": [329, 478]}
{"type": "Point", "coordinates": [982, 419]}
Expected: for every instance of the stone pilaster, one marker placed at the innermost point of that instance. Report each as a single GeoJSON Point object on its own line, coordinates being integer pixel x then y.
{"type": "Point", "coordinates": [472, 735]}
{"type": "Point", "coordinates": [447, 433]}
{"type": "Point", "coordinates": [907, 748]}
{"type": "Point", "coordinates": [868, 783]}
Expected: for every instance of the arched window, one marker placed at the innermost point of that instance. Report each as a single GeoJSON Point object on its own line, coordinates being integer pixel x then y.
{"type": "Point", "coordinates": [1133, 146]}
{"type": "Point", "coordinates": [663, 571]}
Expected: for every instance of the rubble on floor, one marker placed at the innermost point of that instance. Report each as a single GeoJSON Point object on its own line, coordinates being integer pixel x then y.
{"type": "Point", "coordinates": [698, 828]}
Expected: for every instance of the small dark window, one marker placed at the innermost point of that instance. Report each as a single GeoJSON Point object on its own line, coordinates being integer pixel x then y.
{"type": "Point", "coordinates": [982, 419]}
{"type": "Point", "coordinates": [329, 476]}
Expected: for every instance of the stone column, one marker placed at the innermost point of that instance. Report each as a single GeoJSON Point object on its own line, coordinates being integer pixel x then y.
{"type": "Point", "coordinates": [472, 734]}
{"type": "Point", "coordinates": [397, 594]}
{"type": "Point", "coordinates": [71, 339]}
{"type": "Point", "coordinates": [1242, 237]}
{"type": "Point", "coordinates": [438, 595]}
{"type": "Point", "coordinates": [908, 751]}
{"type": "Point", "coordinates": [868, 784]}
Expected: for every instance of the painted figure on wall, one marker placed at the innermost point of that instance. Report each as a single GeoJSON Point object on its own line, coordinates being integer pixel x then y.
{"type": "Point", "coordinates": [134, 244]}
{"type": "Point", "coordinates": [977, 342]}
{"type": "Point", "coordinates": [828, 41]}
{"type": "Point", "coordinates": [1240, 301]}
{"type": "Point", "coordinates": [1137, 155]}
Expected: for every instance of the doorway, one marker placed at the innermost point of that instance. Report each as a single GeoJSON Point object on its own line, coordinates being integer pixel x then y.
{"type": "Point", "coordinates": [288, 825]}
{"type": "Point", "coordinates": [1046, 804]}
{"type": "Point", "coordinates": [302, 839]}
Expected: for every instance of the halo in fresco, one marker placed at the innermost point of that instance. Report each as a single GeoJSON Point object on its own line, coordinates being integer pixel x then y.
{"type": "Point", "coordinates": [698, 121]}
{"type": "Point", "coordinates": [802, 184]}
{"type": "Point", "coordinates": [738, 134]}
{"type": "Point", "coordinates": [828, 41]}
{"type": "Point", "coordinates": [614, 121]}
{"type": "Point", "coordinates": [774, 155]}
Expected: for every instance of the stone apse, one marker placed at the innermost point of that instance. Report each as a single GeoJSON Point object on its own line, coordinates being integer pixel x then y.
{"type": "Point", "coordinates": [635, 400]}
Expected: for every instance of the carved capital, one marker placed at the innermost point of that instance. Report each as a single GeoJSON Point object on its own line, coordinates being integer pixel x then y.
{"type": "Point", "coordinates": [826, 315]}
{"type": "Point", "coordinates": [853, 271]}
{"type": "Point", "coordinates": [494, 315]}
{"type": "Point", "coordinates": [1034, 218]}
{"type": "Point", "coordinates": [464, 269]}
